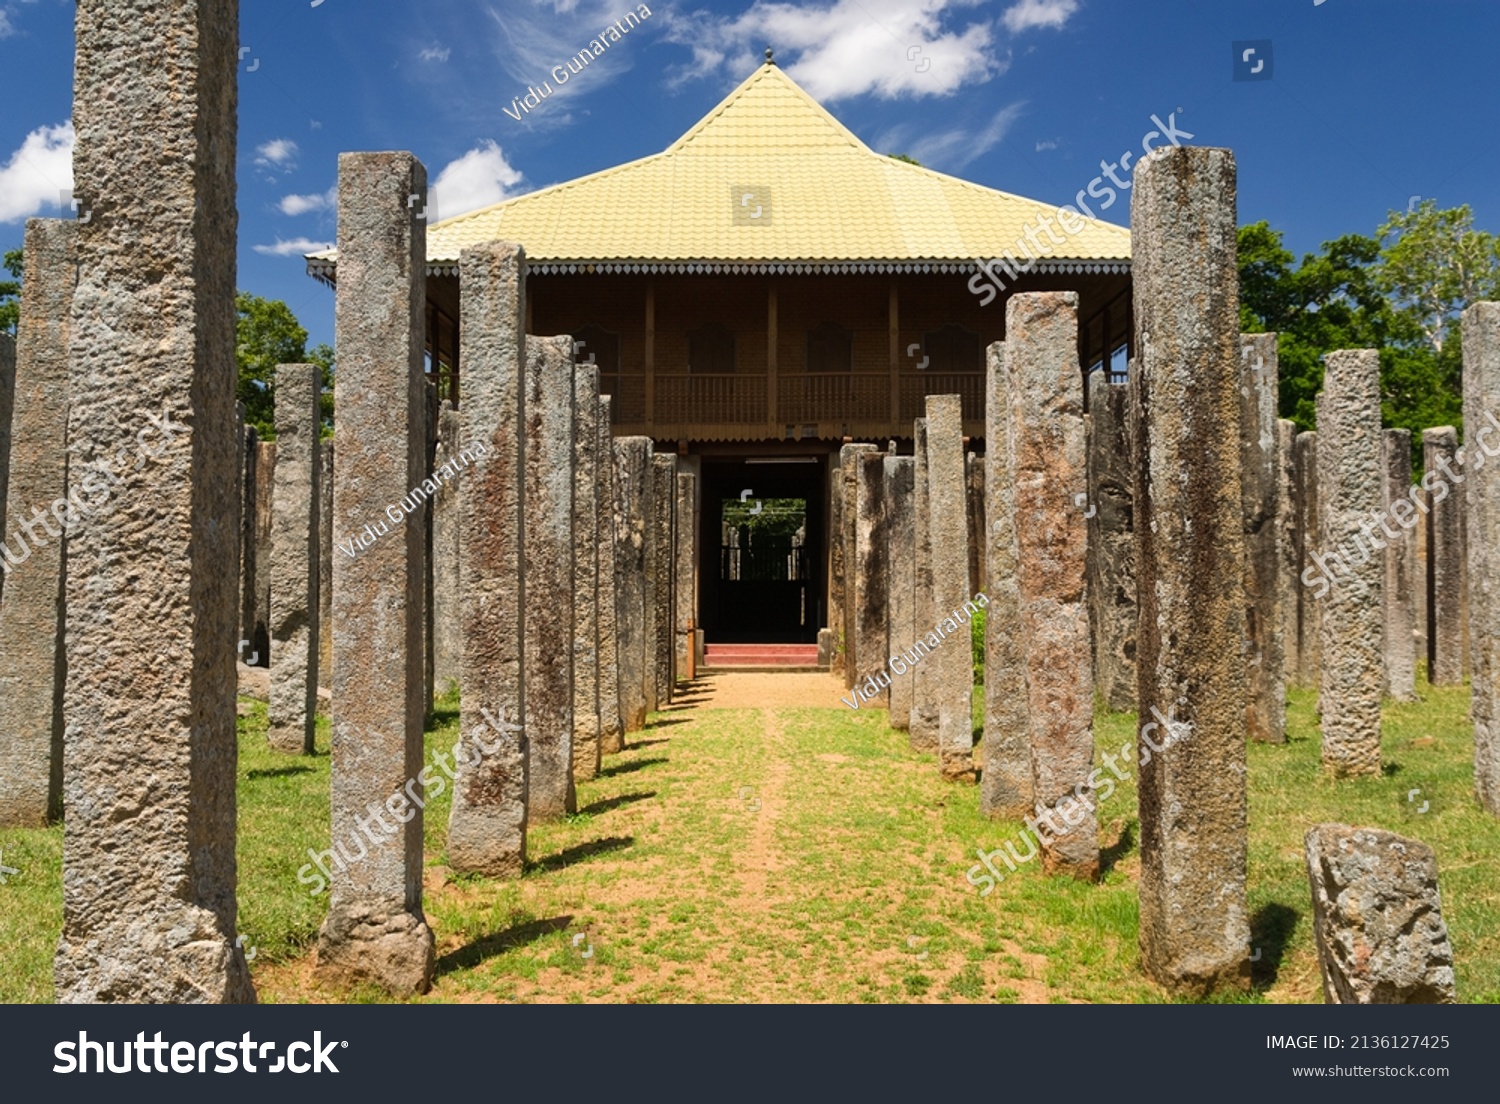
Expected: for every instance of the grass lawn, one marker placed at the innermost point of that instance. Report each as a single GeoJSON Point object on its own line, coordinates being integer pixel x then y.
{"type": "Point", "coordinates": [807, 854]}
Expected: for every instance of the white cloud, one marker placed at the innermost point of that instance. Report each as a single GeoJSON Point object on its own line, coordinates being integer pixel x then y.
{"type": "Point", "coordinates": [294, 248]}
{"type": "Point", "coordinates": [533, 39]}
{"type": "Point", "coordinates": [890, 48]}
{"type": "Point", "coordinates": [38, 173]}
{"type": "Point", "coordinates": [7, 28]}
{"type": "Point", "coordinates": [949, 150]}
{"type": "Point", "coordinates": [302, 204]}
{"type": "Point", "coordinates": [435, 53]}
{"type": "Point", "coordinates": [1026, 14]}
{"type": "Point", "coordinates": [1046, 144]}
{"type": "Point", "coordinates": [277, 153]}
{"type": "Point", "coordinates": [478, 179]}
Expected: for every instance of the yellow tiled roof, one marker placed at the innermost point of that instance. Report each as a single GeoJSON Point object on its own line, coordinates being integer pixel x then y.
{"type": "Point", "coordinates": [824, 196]}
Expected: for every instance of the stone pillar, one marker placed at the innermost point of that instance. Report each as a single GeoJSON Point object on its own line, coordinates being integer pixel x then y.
{"type": "Point", "coordinates": [631, 510]}
{"type": "Point", "coordinates": [1290, 587]}
{"type": "Point", "coordinates": [325, 563]}
{"type": "Point", "coordinates": [1445, 628]}
{"type": "Point", "coordinates": [923, 722]}
{"type": "Point", "coordinates": [1190, 554]}
{"type": "Point", "coordinates": [1309, 610]}
{"type": "Point", "coordinates": [32, 616]}
{"type": "Point", "coordinates": [7, 400]}
{"type": "Point", "coordinates": [1260, 503]}
{"type": "Point", "coordinates": [447, 592]}
{"type": "Point", "coordinates": [294, 561]}
{"type": "Point", "coordinates": [1111, 542]}
{"type": "Point", "coordinates": [685, 583]}
{"type": "Point", "coordinates": [585, 571]}
{"type": "Point", "coordinates": [150, 757]}
{"type": "Point", "coordinates": [265, 494]}
{"type": "Point", "coordinates": [1400, 568]}
{"type": "Point", "coordinates": [375, 929]}
{"type": "Point", "coordinates": [611, 723]}
{"type": "Point", "coordinates": [548, 561]}
{"type": "Point", "coordinates": [487, 824]}
{"type": "Point", "coordinates": [849, 514]}
{"type": "Point", "coordinates": [1481, 343]}
{"type": "Point", "coordinates": [871, 570]}
{"type": "Point", "coordinates": [429, 455]}
{"type": "Point", "coordinates": [951, 667]}
{"type": "Point", "coordinates": [899, 472]}
{"type": "Point", "coordinates": [1045, 454]}
{"type": "Point", "coordinates": [837, 581]}
{"type": "Point", "coordinates": [1351, 488]}
{"type": "Point", "coordinates": [662, 565]}
{"type": "Point", "coordinates": [248, 482]}
{"type": "Point", "coordinates": [1006, 786]}
{"type": "Point", "coordinates": [975, 475]}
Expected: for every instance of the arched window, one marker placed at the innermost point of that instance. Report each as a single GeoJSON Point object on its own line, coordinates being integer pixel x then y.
{"type": "Point", "coordinates": [600, 344]}
{"type": "Point", "coordinates": [953, 349]}
{"type": "Point", "coordinates": [710, 349]}
{"type": "Point", "coordinates": [830, 348]}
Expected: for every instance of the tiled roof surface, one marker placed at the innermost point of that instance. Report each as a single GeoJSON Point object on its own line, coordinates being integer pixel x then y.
{"type": "Point", "coordinates": [822, 193]}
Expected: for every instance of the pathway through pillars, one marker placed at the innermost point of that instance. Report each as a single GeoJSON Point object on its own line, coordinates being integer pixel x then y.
{"type": "Point", "coordinates": [759, 842]}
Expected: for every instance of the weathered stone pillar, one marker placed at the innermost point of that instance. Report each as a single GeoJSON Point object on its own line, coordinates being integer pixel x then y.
{"type": "Point", "coordinates": [447, 592]}
{"type": "Point", "coordinates": [1111, 542]}
{"type": "Point", "coordinates": [1351, 491]}
{"type": "Point", "coordinates": [974, 475]}
{"type": "Point", "coordinates": [849, 513]}
{"type": "Point", "coordinates": [429, 456]}
{"type": "Point", "coordinates": [685, 583]}
{"type": "Point", "coordinates": [1290, 586]}
{"type": "Point", "coordinates": [1006, 786]}
{"type": "Point", "coordinates": [487, 824]}
{"type": "Point", "coordinates": [871, 570]}
{"type": "Point", "coordinates": [248, 596]}
{"type": "Point", "coordinates": [7, 400]}
{"type": "Point", "coordinates": [837, 573]}
{"type": "Point", "coordinates": [951, 667]}
{"type": "Point", "coordinates": [585, 571]}
{"type": "Point", "coordinates": [294, 561]}
{"type": "Point", "coordinates": [899, 472]}
{"type": "Point", "coordinates": [1045, 454]}
{"type": "Point", "coordinates": [375, 929]}
{"type": "Point", "coordinates": [258, 652]}
{"type": "Point", "coordinates": [1377, 917]}
{"type": "Point", "coordinates": [149, 774]}
{"type": "Point", "coordinates": [548, 562]}
{"type": "Point", "coordinates": [1400, 568]}
{"type": "Point", "coordinates": [32, 612]}
{"type": "Point", "coordinates": [632, 509]}
{"type": "Point", "coordinates": [1445, 588]}
{"type": "Point", "coordinates": [1481, 341]}
{"type": "Point", "coordinates": [611, 724]}
{"type": "Point", "coordinates": [662, 556]}
{"type": "Point", "coordinates": [1190, 549]}
{"type": "Point", "coordinates": [923, 722]}
{"type": "Point", "coordinates": [1260, 499]}
{"type": "Point", "coordinates": [325, 563]}
{"type": "Point", "coordinates": [1309, 609]}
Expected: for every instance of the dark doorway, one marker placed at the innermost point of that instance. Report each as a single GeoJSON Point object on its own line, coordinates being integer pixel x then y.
{"type": "Point", "coordinates": [762, 541]}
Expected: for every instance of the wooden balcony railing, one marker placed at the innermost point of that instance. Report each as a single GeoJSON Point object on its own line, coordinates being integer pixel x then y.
{"type": "Point", "coordinates": [833, 397]}
{"type": "Point", "coordinates": [684, 398]}
{"type": "Point", "coordinates": [969, 386]}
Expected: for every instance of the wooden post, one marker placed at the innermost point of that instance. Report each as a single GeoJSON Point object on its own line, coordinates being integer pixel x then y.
{"type": "Point", "coordinates": [772, 418]}
{"type": "Point", "coordinates": [650, 354]}
{"type": "Point", "coordinates": [893, 312]}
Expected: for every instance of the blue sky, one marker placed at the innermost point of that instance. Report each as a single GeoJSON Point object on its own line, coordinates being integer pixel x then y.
{"type": "Point", "coordinates": [1370, 102]}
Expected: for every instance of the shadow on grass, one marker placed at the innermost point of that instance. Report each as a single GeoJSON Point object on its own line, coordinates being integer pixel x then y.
{"type": "Point", "coordinates": [497, 943]}
{"type": "Point", "coordinates": [1270, 931]}
{"type": "Point", "coordinates": [626, 768]}
{"type": "Point", "coordinates": [644, 743]}
{"type": "Point", "coordinates": [1112, 854]}
{"type": "Point", "coordinates": [670, 721]}
{"type": "Point", "coordinates": [615, 802]}
{"type": "Point", "coordinates": [570, 855]}
{"type": "Point", "coordinates": [277, 772]}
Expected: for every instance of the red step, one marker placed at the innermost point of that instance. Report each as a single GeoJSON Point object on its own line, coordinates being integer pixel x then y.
{"type": "Point", "coordinates": [761, 655]}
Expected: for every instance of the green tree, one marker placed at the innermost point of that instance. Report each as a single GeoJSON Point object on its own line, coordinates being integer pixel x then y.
{"type": "Point", "coordinates": [1434, 264]}
{"type": "Point", "coordinates": [10, 292]}
{"type": "Point", "coordinates": [267, 333]}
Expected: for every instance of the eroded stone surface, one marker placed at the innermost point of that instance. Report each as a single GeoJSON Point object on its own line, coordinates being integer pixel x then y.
{"type": "Point", "coordinates": [950, 669]}
{"type": "Point", "coordinates": [1447, 623]}
{"type": "Point", "coordinates": [611, 724]}
{"type": "Point", "coordinates": [1111, 541]}
{"type": "Point", "coordinates": [1309, 609]}
{"type": "Point", "coordinates": [487, 821]}
{"type": "Point", "coordinates": [632, 509]}
{"type": "Point", "coordinates": [849, 514]}
{"type": "Point", "coordinates": [294, 560]}
{"type": "Point", "coordinates": [923, 722]}
{"type": "Point", "coordinates": [447, 593]}
{"type": "Point", "coordinates": [32, 620]}
{"type": "Point", "coordinates": [871, 570]}
{"type": "Point", "coordinates": [685, 572]}
{"type": "Point", "coordinates": [585, 571]}
{"type": "Point", "coordinates": [1351, 496]}
{"type": "Point", "coordinates": [1290, 585]}
{"type": "Point", "coordinates": [1194, 925]}
{"type": "Point", "coordinates": [1400, 518]}
{"type": "Point", "coordinates": [1378, 918]}
{"type": "Point", "coordinates": [149, 779]}
{"type": "Point", "coordinates": [1260, 497]}
{"type": "Point", "coordinates": [899, 473]}
{"type": "Point", "coordinates": [662, 553]}
{"type": "Point", "coordinates": [375, 929]}
{"type": "Point", "coordinates": [1481, 341]}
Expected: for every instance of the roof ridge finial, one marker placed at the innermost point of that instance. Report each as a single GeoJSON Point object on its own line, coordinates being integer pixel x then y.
{"type": "Point", "coordinates": [770, 60]}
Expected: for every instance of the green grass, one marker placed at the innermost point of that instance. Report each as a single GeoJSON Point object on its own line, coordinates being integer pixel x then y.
{"type": "Point", "coordinates": [807, 854]}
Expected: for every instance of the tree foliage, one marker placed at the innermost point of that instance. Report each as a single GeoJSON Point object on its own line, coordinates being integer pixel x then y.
{"type": "Point", "coordinates": [10, 292]}
{"type": "Point", "coordinates": [267, 333]}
